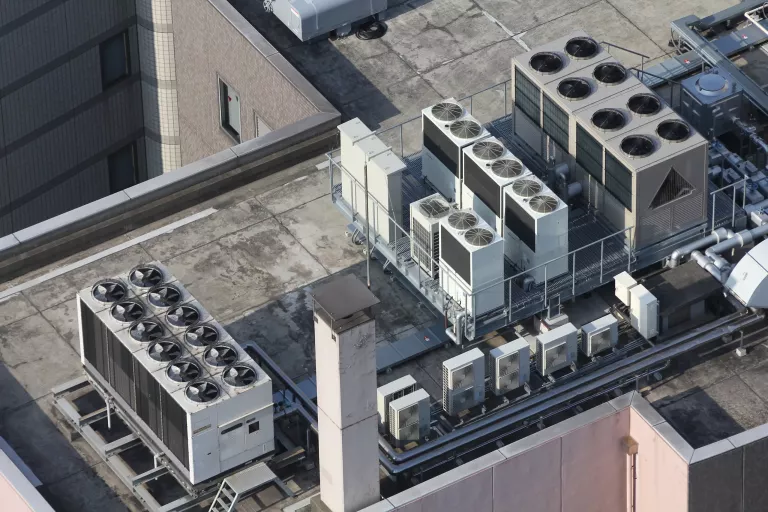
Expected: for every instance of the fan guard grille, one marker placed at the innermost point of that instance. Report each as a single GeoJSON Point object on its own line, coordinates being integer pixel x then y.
{"type": "Point", "coordinates": [164, 296]}
{"type": "Point", "coordinates": [201, 335]}
{"type": "Point", "coordinates": [145, 276]}
{"type": "Point", "coordinates": [434, 208]}
{"type": "Point", "coordinates": [108, 291]}
{"type": "Point", "coordinates": [183, 316]}
{"type": "Point", "coordinates": [220, 355]}
{"type": "Point", "coordinates": [487, 150]}
{"type": "Point", "coordinates": [673, 130]}
{"type": "Point", "coordinates": [465, 129]}
{"type": "Point", "coordinates": [546, 63]}
{"type": "Point", "coordinates": [581, 48]}
{"type": "Point", "coordinates": [644, 104]}
{"type": "Point", "coordinates": [462, 220]}
{"type": "Point", "coordinates": [164, 351]}
{"type": "Point", "coordinates": [574, 88]}
{"type": "Point", "coordinates": [183, 371]}
{"type": "Point", "coordinates": [447, 111]}
{"type": "Point", "coordinates": [637, 145]}
{"type": "Point", "coordinates": [479, 237]}
{"type": "Point", "coordinates": [202, 391]}
{"type": "Point", "coordinates": [127, 311]}
{"type": "Point", "coordinates": [239, 375]}
{"type": "Point", "coordinates": [526, 188]}
{"type": "Point", "coordinates": [608, 119]}
{"type": "Point", "coordinates": [610, 73]}
{"type": "Point", "coordinates": [543, 204]}
{"type": "Point", "coordinates": [146, 331]}
{"type": "Point", "coordinates": [507, 168]}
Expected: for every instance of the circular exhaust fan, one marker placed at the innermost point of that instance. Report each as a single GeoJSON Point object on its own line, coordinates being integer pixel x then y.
{"type": "Point", "coordinates": [201, 335]}
{"type": "Point", "coordinates": [164, 296]}
{"type": "Point", "coordinates": [239, 375]}
{"type": "Point", "coordinates": [543, 203]}
{"type": "Point", "coordinates": [581, 48]}
{"type": "Point", "coordinates": [462, 220]}
{"type": "Point", "coordinates": [479, 237]}
{"type": "Point", "coordinates": [145, 276]}
{"type": "Point", "coordinates": [220, 355]}
{"type": "Point", "coordinates": [546, 63]}
{"type": "Point", "coordinates": [712, 84]}
{"type": "Point", "coordinates": [127, 311]}
{"type": "Point", "coordinates": [146, 331]}
{"type": "Point", "coordinates": [526, 188]}
{"type": "Point", "coordinates": [507, 168]}
{"type": "Point", "coordinates": [183, 316]}
{"type": "Point", "coordinates": [610, 73]}
{"type": "Point", "coordinates": [108, 291]}
{"type": "Point", "coordinates": [465, 129]}
{"type": "Point", "coordinates": [447, 111]}
{"type": "Point", "coordinates": [434, 208]}
{"type": "Point", "coordinates": [608, 119]}
{"type": "Point", "coordinates": [183, 371]}
{"type": "Point", "coordinates": [202, 391]}
{"type": "Point", "coordinates": [644, 104]}
{"type": "Point", "coordinates": [487, 150]}
{"type": "Point", "coordinates": [574, 89]}
{"type": "Point", "coordinates": [673, 130]}
{"type": "Point", "coordinates": [637, 145]}
{"type": "Point", "coordinates": [164, 351]}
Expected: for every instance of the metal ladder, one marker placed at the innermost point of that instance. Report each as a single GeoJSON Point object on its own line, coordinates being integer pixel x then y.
{"type": "Point", "coordinates": [226, 498]}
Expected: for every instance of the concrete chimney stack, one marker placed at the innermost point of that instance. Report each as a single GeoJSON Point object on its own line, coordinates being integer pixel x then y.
{"type": "Point", "coordinates": [345, 355]}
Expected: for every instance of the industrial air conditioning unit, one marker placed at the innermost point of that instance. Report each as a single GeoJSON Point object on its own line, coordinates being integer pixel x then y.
{"type": "Point", "coordinates": [644, 311]}
{"type": "Point", "coordinates": [463, 381]}
{"type": "Point", "coordinates": [177, 376]}
{"type": "Point", "coordinates": [599, 335]}
{"type": "Point", "coordinates": [488, 168]}
{"type": "Point", "coordinates": [446, 129]}
{"type": "Point", "coordinates": [535, 229]}
{"type": "Point", "coordinates": [311, 20]}
{"type": "Point", "coordinates": [471, 262]}
{"type": "Point", "coordinates": [510, 366]}
{"type": "Point", "coordinates": [710, 101]}
{"type": "Point", "coordinates": [385, 185]}
{"type": "Point", "coordinates": [624, 283]}
{"type": "Point", "coordinates": [533, 70]}
{"type": "Point", "coordinates": [656, 178]}
{"type": "Point", "coordinates": [425, 232]}
{"type": "Point", "coordinates": [556, 349]}
{"type": "Point", "coordinates": [392, 391]}
{"type": "Point", "coordinates": [409, 417]}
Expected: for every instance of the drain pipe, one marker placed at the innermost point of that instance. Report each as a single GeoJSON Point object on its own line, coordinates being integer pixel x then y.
{"type": "Point", "coordinates": [457, 327]}
{"type": "Point", "coordinates": [715, 237]}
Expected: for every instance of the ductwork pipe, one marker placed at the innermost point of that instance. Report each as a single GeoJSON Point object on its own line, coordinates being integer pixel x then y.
{"type": "Point", "coordinates": [715, 264]}
{"type": "Point", "coordinates": [716, 236]}
{"type": "Point", "coordinates": [707, 265]}
{"type": "Point", "coordinates": [455, 337]}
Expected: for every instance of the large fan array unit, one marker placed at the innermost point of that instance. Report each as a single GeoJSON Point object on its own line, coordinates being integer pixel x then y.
{"type": "Point", "coordinates": [409, 417]}
{"type": "Point", "coordinates": [488, 168]}
{"type": "Point", "coordinates": [446, 129]}
{"type": "Point", "coordinates": [463, 381]}
{"type": "Point", "coordinates": [556, 349]}
{"type": "Point", "coordinates": [510, 366]}
{"type": "Point", "coordinates": [175, 373]}
{"type": "Point", "coordinates": [425, 232]}
{"type": "Point", "coordinates": [471, 262]}
{"type": "Point", "coordinates": [536, 229]}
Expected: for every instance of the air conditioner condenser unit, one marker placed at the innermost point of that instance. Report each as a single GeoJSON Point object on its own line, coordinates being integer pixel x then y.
{"type": "Point", "coordinates": [556, 349]}
{"type": "Point", "coordinates": [409, 417]}
{"type": "Point", "coordinates": [510, 366]}
{"type": "Point", "coordinates": [599, 335]}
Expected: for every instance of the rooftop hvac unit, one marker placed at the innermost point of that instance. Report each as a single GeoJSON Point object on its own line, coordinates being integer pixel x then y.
{"type": "Point", "coordinates": [534, 69]}
{"type": "Point", "coordinates": [536, 229]}
{"type": "Point", "coordinates": [710, 101]}
{"type": "Point", "coordinates": [644, 311]}
{"type": "Point", "coordinates": [425, 231]}
{"type": "Point", "coordinates": [624, 283]}
{"type": "Point", "coordinates": [206, 422]}
{"type": "Point", "coordinates": [656, 179]}
{"type": "Point", "coordinates": [471, 262]}
{"type": "Point", "coordinates": [488, 168]}
{"type": "Point", "coordinates": [446, 129]}
{"type": "Point", "coordinates": [310, 20]}
{"type": "Point", "coordinates": [510, 366]}
{"type": "Point", "coordinates": [392, 391]}
{"type": "Point", "coordinates": [556, 349]}
{"type": "Point", "coordinates": [409, 417]}
{"type": "Point", "coordinates": [463, 381]}
{"type": "Point", "coordinates": [599, 335]}
{"type": "Point", "coordinates": [385, 175]}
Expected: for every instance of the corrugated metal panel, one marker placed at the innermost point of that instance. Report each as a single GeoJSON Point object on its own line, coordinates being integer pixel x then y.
{"type": "Point", "coordinates": [10, 11]}
{"type": "Point", "coordinates": [87, 19]}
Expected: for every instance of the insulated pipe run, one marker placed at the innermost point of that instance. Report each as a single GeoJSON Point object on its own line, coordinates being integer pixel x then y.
{"type": "Point", "coordinates": [707, 265]}
{"type": "Point", "coordinates": [716, 236]}
{"type": "Point", "coordinates": [457, 326]}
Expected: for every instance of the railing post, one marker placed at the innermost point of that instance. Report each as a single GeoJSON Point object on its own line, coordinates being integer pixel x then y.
{"type": "Point", "coordinates": [714, 200]}
{"type": "Point", "coordinates": [602, 248]}
{"type": "Point", "coordinates": [545, 285]}
{"type": "Point", "coordinates": [470, 104]}
{"type": "Point", "coordinates": [733, 206]}
{"type": "Point", "coordinates": [505, 99]}
{"type": "Point", "coordinates": [629, 253]}
{"type": "Point", "coordinates": [573, 279]}
{"type": "Point", "coordinates": [509, 301]}
{"type": "Point", "coordinates": [402, 148]}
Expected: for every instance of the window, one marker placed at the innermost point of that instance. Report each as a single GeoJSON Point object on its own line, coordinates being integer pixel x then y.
{"type": "Point", "coordinates": [115, 60]}
{"type": "Point", "coordinates": [555, 123]}
{"type": "Point", "coordinates": [527, 97]}
{"type": "Point", "coordinates": [618, 180]}
{"type": "Point", "coordinates": [230, 110]}
{"type": "Point", "coordinates": [261, 127]}
{"type": "Point", "coordinates": [253, 427]}
{"type": "Point", "coordinates": [589, 153]}
{"type": "Point", "coordinates": [123, 168]}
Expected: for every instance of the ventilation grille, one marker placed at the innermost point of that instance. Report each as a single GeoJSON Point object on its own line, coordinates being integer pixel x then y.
{"type": "Point", "coordinates": [127, 311]}
{"type": "Point", "coordinates": [145, 276]}
{"type": "Point", "coordinates": [202, 391]}
{"type": "Point", "coordinates": [201, 335]}
{"type": "Point", "coordinates": [164, 296]}
{"type": "Point", "coordinates": [644, 104]}
{"type": "Point", "coordinates": [183, 316]}
{"type": "Point", "coordinates": [507, 168]}
{"type": "Point", "coordinates": [487, 150]}
{"type": "Point", "coordinates": [240, 375]}
{"type": "Point", "coordinates": [674, 187]}
{"type": "Point", "coordinates": [543, 204]}
{"type": "Point", "coordinates": [608, 119]}
{"type": "Point", "coordinates": [478, 237]}
{"type": "Point", "coordinates": [164, 351]}
{"type": "Point", "coordinates": [108, 291]}
{"type": "Point", "coordinates": [574, 88]}
{"type": "Point", "coordinates": [637, 146]}
{"type": "Point", "coordinates": [610, 73]}
{"type": "Point", "coordinates": [673, 131]}
{"type": "Point", "coordinates": [546, 63]}
{"type": "Point", "coordinates": [220, 355]}
{"type": "Point", "coordinates": [146, 331]}
{"type": "Point", "coordinates": [581, 48]}
{"type": "Point", "coordinates": [465, 129]}
{"type": "Point", "coordinates": [447, 111]}
{"type": "Point", "coordinates": [526, 188]}
{"type": "Point", "coordinates": [434, 208]}
{"type": "Point", "coordinates": [462, 220]}
{"type": "Point", "coordinates": [183, 371]}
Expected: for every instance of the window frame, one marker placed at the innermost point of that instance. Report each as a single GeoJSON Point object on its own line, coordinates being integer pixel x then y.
{"type": "Point", "coordinates": [224, 118]}
{"type": "Point", "coordinates": [107, 84]}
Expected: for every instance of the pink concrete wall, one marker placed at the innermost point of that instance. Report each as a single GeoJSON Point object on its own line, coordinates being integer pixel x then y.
{"type": "Point", "coordinates": [662, 475]}
{"type": "Point", "coordinates": [10, 500]}
{"type": "Point", "coordinates": [530, 480]}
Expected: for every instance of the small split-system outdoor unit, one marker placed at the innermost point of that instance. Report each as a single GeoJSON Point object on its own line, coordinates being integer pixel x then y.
{"type": "Point", "coordinates": [425, 231]}
{"type": "Point", "coordinates": [624, 283]}
{"type": "Point", "coordinates": [392, 391]}
{"type": "Point", "coordinates": [471, 262]}
{"type": "Point", "coordinates": [599, 335]}
{"type": "Point", "coordinates": [488, 168]}
{"type": "Point", "coordinates": [556, 349]}
{"type": "Point", "coordinates": [510, 366]}
{"type": "Point", "coordinates": [310, 20]}
{"type": "Point", "coordinates": [447, 128]}
{"type": "Point", "coordinates": [409, 417]}
{"type": "Point", "coordinates": [644, 311]}
{"type": "Point", "coordinates": [535, 228]}
{"type": "Point", "coordinates": [180, 379]}
{"type": "Point", "coordinates": [463, 381]}
{"type": "Point", "coordinates": [361, 149]}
